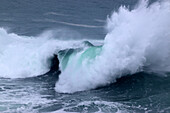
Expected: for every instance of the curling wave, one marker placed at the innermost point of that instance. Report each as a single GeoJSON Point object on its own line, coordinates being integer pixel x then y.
{"type": "Point", "coordinates": [22, 56]}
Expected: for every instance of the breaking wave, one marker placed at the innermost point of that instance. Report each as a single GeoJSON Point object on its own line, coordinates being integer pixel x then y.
{"type": "Point", "coordinates": [137, 40]}
{"type": "Point", "coordinates": [22, 56]}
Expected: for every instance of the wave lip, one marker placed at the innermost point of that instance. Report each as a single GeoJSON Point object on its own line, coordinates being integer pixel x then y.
{"type": "Point", "coordinates": [137, 40]}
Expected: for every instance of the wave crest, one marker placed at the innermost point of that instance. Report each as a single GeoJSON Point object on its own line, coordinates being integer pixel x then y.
{"type": "Point", "coordinates": [137, 40]}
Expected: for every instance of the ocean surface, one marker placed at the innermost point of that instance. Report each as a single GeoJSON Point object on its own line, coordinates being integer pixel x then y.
{"type": "Point", "coordinates": [84, 56]}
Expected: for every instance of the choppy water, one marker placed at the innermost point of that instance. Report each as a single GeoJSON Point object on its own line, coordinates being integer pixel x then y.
{"type": "Point", "coordinates": [123, 68]}
{"type": "Point", "coordinates": [137, 93]}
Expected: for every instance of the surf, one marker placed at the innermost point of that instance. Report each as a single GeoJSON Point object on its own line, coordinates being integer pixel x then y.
{"type": "Point", "coordinates": [30, 56]}
{"type": "Point", "coordinates": [137, 41]}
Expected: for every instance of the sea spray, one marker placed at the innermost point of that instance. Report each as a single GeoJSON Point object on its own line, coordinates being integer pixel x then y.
{"type": "Point", "coordinates": [23, 56]}
{"type": "Point", "coordinates": [137, 40]}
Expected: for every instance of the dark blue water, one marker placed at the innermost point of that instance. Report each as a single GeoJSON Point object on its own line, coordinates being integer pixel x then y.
{"type": "Point", "coordinates": [141, 92]}
{"type": "Point", "coordinates": [33, 17]}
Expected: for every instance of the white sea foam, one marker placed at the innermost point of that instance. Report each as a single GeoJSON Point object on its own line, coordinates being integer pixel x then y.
{"type": "Point", "coordinates": [102, 107]}
{"type": "Point", "coordinates": [137, 40]}
{"type": "Point", "coordinates": [22, 56]}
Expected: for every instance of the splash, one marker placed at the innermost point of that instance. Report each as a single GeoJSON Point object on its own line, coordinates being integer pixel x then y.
{"type": "Point", "coordinates": [23, 56]}
{"type": "Point", "coordinates": [137, 40]}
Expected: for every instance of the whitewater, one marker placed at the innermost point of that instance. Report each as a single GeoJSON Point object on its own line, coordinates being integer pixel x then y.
{"type": "Point", "coordinates": [137, 41]}
{"type": "Point", "coordinates": [23, 56]}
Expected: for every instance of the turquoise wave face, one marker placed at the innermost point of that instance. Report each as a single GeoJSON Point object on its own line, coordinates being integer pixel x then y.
{"type": "Point", "coordinates": [90, 54]}
{"type": "Point", "coordinates": [66, 57]}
